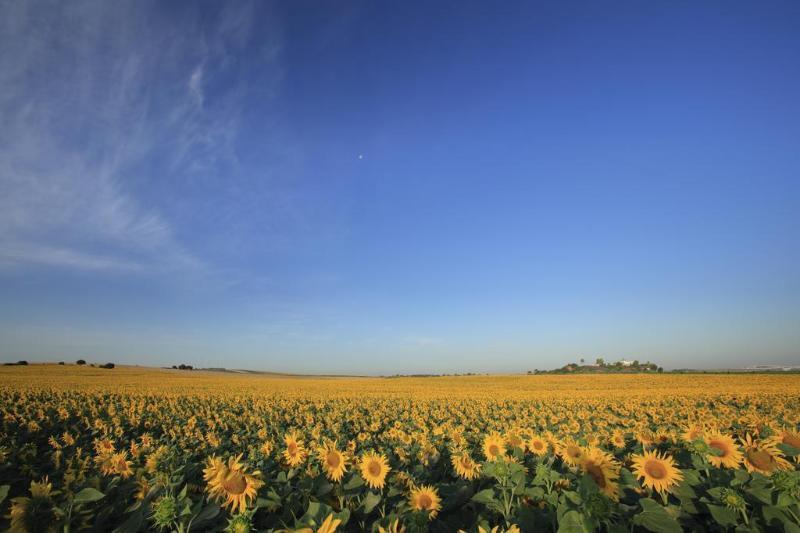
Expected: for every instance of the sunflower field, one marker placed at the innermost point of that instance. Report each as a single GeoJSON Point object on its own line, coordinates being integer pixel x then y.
{"type": "Point", "coordinates": [132, 449]}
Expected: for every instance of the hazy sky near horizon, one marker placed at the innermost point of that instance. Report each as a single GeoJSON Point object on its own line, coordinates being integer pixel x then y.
{"type": "Point", "coordinates": [382, 187]}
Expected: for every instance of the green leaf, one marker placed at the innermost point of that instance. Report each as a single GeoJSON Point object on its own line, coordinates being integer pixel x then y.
{"type": "Point", "coordinates": [789, 450]}
{"type": "Point", "coordinates": [208, 512]}
{"type": "Point", "coordinates": [573, 497]}
{"type": "Point", "coordinates": [313, 509]}
{"type": "Point", "coordinates": [760, 493]}
{"type": "Point", "coordinates": [394, 491]}
{"type": "Point", "coordinates": [785, 500]}
{"type": "Point", "coordinates": [370, 501]}
{"type": "Point", "coordinates": [722, 515]}
{"type": "Point", "coordinates": [88, 495]}
{"type": "Point", "coordinates": [4, 492]}
{"type": "Point", "coordinates": [536, 493]}
{"type": "Point", "coordinates": [354, 483]}
{"type": "Point", "coordinates": [323, 489]}
{"type": "Point", "coordinates": [572, 522]}
{"type": "Point", "coordinates": [741, 476]}
{"type": "Point", "coordinates": [691, 477]}
{"type": "Point", "coordinates": [655, 517]}
{"type": "Point", "coordinates": [485, 497]}
{"type": "Point", "coordinates": [777, 518]}
{"type": "Point", "coordinates": [686, 494]}
{"type": "Point", "coordinates": [626, 478]}
{"type": "Point", "coordinates": [132, 524]}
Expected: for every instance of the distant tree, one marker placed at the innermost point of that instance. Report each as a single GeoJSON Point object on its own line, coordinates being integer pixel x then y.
{"type": "Point", "coordinates": [80, 362]}
{"type": "Point", "coordinates": [582, 360]}
{"type": "Point", "coordinates": [660, 369]}
{"type": "Point", "coordinates": [107, 365]}
{"type": "Point", "coordinates": [600, 361]}
{"type": "Point", "coordinates": [22, 363]}
{"type": "Point", "coordinates": [61, 363]}
{"type": "Point", "coordinates": [175, 367]}
{"type": "Point", "coordinates": [636, 362]}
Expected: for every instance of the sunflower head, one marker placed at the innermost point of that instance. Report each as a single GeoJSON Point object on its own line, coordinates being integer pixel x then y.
{"type": "Point", "coordinates": [514, 441]}
{"type": "Point", "coordinates": [763, 457]}
{"type": "Point", "coordinates": [603, 470]}
{"type": "Point", "coordinates": [334, 462]}
{"type": "Point", "coordinates": [295, 453]}
{"type": "Point", "coordinates": [571, 452]}
{"type": "Point", "coordinates": [37, 513]}
{"type": "Point", "coordinates": [725, 453]}
{"type": "Point", "coordinates": [374, 468]}
{"type": "Point", "coordinates": [693, 432]}
{"type": "Point", "coordinates": [240, 523]}
{"type": "Point", "coordinates": [165, 511]}
{"type": "Point", "coordinates": [537, 445]}
{"type": "Point", "coordinates": [464, 466]}
{"type": "Point", "coordinates": [785, 436]}
{"type": "Point", "coordinates": [493, 446]}
{"type": "Point", "coordinates": [329, 525]}
{"type": "Point", "coordinates": [657, 472]}
{"type": "Point", "coordinates": [120, 465]}
{"type": "Point", "coordinates": [426, 499]}
{"type": "Point", "coordinates": [232, 483]}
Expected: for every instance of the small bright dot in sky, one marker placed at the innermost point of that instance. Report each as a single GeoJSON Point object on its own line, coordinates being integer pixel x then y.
{"type": "Point", "coordinates": [361, 156]}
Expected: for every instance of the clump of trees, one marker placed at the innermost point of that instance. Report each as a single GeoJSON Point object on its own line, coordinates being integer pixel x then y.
{"type": "Point", "coordinates": [600, 366]}
{"type": "Point", "coordinates": [18, 363]}
{"type": "Point", "coordinates": [108, 365]}
{"type": "Point", "coordinates": [183, 367]}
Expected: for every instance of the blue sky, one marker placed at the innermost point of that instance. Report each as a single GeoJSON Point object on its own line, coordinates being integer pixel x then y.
{"type": "Point", "coordinates": [381, 187]}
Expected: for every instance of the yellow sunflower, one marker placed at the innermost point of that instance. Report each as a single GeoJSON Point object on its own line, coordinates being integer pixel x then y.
{"type": "Point", "coordinates": [692, 433]}
{"type": "Point", "coordinates": [656, 471]}
{"type": "Point", "coordinates": [464, 466]}
{"type": "Point", "coordinates": [393, 527]}
{"type": "Point", "coordinates": [570, 452]}
{"type": "Point", "coordinates": [730, 456]}
{"type": "Point", "coordinates": [603, 469]}
{"type": "Point", "coordinates": [295, 453]}
{"type": "Point", "coordinates": [374, 468]}
{"type": "Point", "coordinates": [785, 436]}
{"type": "Point", "coordinates": [333, 461]}
{"type": "Point", "coordinates": [537, 445]}
{"type": "Point", "coordinates": [231, 482]}
{"type": "Point", "coordinates": [36, 513]}
{"type": "Point", "coordinates": [329, 525]}
{"type": "Point", "coordinates": [426, 498]}
{"type": "Point", "coordinates": [266, 448]}
{"type": "Point", "coordinates": [763, 457]}
{"type": "Point", "coordinates": [618, 439]}
{"type": "Point", "coordinates": [514, 441]}
{"type": "Point", "coordinates": [493, 446]}
{"type": "Point", "coordinates": [120, 465]}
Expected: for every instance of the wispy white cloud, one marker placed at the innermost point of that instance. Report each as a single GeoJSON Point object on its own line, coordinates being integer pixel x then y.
{"type": "Point", "coordinates": [196, 85]}
{"type": "Point", "coordinates": [96, 116]}
{"type": "Point", "coordinates": [425, 341]}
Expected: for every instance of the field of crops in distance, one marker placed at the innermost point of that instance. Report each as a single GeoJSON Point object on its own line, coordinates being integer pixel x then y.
{"type": "Point", "coordinates": [136, 449]}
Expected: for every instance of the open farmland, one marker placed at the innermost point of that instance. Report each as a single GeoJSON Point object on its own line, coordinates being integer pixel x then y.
{"type": "Point", "coordinates": [140, 449]}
